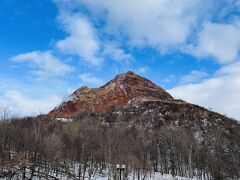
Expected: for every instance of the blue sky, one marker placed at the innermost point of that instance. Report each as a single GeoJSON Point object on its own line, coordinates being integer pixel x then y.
{"type": "Point", "coordinates": [50, 48]}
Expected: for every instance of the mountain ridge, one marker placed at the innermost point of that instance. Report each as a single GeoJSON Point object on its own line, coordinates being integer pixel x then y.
{"type": "Point", "coordinates": [117, 92]}
{"type": "Point", "coordinates": [129, 90]}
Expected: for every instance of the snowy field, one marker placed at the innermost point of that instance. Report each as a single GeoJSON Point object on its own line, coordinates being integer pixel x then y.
{"type": "Point", "coordinates": [154, 176]}
{"type": "Point", "coordinates": [102, 176]}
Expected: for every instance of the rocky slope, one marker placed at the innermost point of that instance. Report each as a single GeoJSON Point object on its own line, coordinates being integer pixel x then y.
{"type": "Point", "coordinates": [118, 92]}
{"type": "Point", "coordinates": [135, 101]}
{"type": "Point", "coordinates": [170, 113]}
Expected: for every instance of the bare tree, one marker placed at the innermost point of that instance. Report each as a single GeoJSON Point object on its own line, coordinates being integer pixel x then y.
{"type": "Point", "coordinates": [4, 112]}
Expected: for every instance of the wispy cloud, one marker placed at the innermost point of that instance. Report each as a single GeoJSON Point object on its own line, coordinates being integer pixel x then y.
{"type": "Point", "coordinates": [193, 77]}
{"type": "Point", "coordinates": [143, 69]}
{"type": "Point", "coordinates": [22, 105]}
{"type": "Point", "coordinates": [27, 97]}
{"type": "Point", "coordinates": [115, 53]}
{"type": "Point", "coordinates": [90, 79]}
{"type": "Point", "coordinates": [82, 39]}
{"type": "Point", "coordinates": [169, 79]}
{"type": "Point", "coordinates": [45, 64]}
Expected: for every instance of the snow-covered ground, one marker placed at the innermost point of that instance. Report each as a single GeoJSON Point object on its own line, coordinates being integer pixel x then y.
{"type": "Point", "coordinates": [103, 176]}
{"type": "Point", "coordinates": [72, 170]}
{"type": "Point", "coordinates": [153, 176]}
{"type": "Point", "coordinates": [64, 119]}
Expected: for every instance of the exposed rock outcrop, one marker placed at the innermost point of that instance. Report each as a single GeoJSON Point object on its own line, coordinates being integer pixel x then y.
{"type": "Point", "coordinates": [118, 92]}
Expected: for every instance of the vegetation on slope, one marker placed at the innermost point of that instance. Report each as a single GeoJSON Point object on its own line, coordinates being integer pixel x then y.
{"type": "Point", "coordinates": [37, 147]}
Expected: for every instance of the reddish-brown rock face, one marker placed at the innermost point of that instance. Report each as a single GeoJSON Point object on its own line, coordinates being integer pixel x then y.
{"type": "Point", "coordinates": [118, 92]}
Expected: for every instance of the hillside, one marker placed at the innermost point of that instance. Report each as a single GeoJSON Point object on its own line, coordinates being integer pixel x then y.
{"type": "Point", "coordinates": [134, 100]}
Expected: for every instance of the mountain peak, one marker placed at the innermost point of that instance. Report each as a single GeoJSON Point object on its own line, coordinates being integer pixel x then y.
{"type": "Point", "coordinates": [124, 88]}
{"type": "Point", "coordinates": [128, 73]}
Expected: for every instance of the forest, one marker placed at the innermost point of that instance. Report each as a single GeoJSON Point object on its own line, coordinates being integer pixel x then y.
{"type": "Point", "coordinates": [33, 148]}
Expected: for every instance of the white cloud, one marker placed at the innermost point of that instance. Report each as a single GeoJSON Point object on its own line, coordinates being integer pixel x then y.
{"type": "Point", "coordinates": [91, 79]}
{"type": "Point", "coordinates": [116, 53]}
{"type": "Point", "coordinates": [194, 76]}
{"type": "Point", "coordinates": [220, 41]}
{"type": "Point", "coordinates": [45, 63]}
{"type": "Point", "coordinates": [162, 24]}
{"type": "Point", "coordinates": [22, 105]}
{"type": "Point", "coordinates": [158, 23]}
{"type": "Point", "coordinates": [82, 39]}
{"type": "Point", "coordinates": [28, 97]}
{"type": "Point", "coordinates": [170, 78]}
{"type": "Point", "coordinates": [221, 93]}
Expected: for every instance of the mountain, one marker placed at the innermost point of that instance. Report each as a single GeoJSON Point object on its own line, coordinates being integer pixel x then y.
{"type": "Point", "coordinates": [118, 92]}
{"type": "Point", "coordinates": [132, 99]}
{"type": "Point", "coordinates": [133, 93]}
{"type": "Point", "coordinates": [136, 101]}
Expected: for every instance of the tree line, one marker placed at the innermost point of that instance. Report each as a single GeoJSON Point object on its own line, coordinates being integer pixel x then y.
{"type": "Point", "coordinates": [38, 147]}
